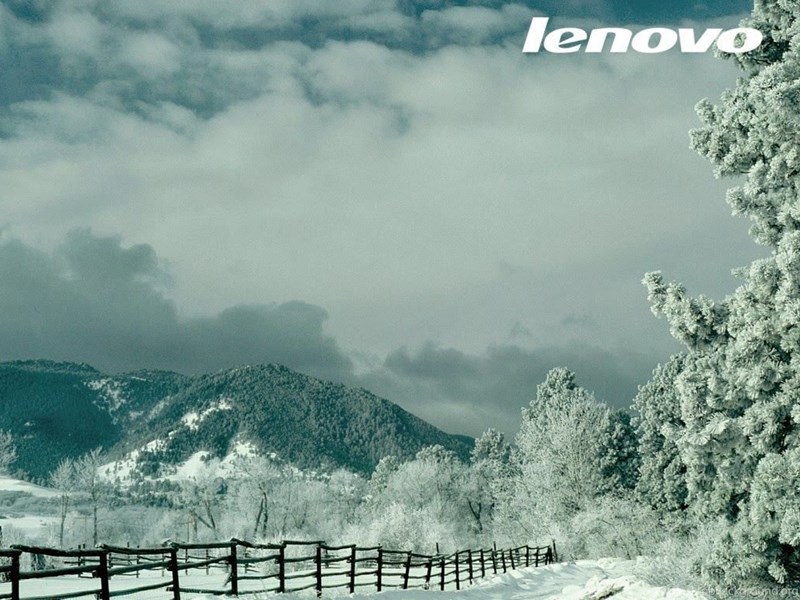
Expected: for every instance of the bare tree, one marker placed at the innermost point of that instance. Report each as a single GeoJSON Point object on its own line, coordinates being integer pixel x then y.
{"type": "Point", "coordinates": [91, 485]}
{"type": "Point", "coordinates": [201, 496]}
{"type": "Point", "coordinates": [63, 480]}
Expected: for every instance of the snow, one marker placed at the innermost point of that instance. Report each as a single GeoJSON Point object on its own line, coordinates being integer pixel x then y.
{"type": "Point", "coordinates": [31, 526]}
{"type": "Point", "coordinates": [197, 465]}
{"type": "Point", "coordinates": [193, 419]}
{"type": "Point", "coordinates": [193, 467]}
{"type": "Point", "coordinates": [9, 484]}
{"type": "Point", "coordinates": [582, 580]}
{"type": "Point", "coordinates": [110, 390]}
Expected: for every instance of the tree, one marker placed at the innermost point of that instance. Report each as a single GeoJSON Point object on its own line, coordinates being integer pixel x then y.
{"type": "Point", "coordinates": [738, 430]}
{"type": "Point", "coordinates": [259, 476]}
{"type": "Point", "coordinates": [489, 470]}
{"type": "Point", "coordinates": [562, 446]}
{"type": "Point", "coordinates": [201, 496]}
{"type": "Point", "coordinates": [8, 452]}
{"type": "Point", "coordinates": [662, 475]}
{"type": "Point", "coordinates": [91, 484]}
{"type": "Point", "coordinates": [63, 480]}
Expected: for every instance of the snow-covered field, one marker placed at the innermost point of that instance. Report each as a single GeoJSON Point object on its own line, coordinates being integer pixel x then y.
{"type": "Point", "coordinates": [9, 484]}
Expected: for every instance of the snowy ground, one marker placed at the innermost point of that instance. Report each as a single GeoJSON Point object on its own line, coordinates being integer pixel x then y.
{"type": "Point", "coordinates": [25, 508]}
{"type": "Point", "coordinates": [9, 484]}
{"type": "Point", "coordinates": [583, 580]}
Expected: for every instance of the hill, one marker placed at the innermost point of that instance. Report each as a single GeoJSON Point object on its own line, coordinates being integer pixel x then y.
{"type": "Point", "coordinates": [57, 410]}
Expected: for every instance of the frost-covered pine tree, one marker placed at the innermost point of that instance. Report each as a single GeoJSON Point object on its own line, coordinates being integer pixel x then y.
{"type": "Point", "coordinates": [738, 391]}
{"type": "Point", "coordinates": [562, 449]}
{"type": "Point", "coordinates": [662, 474]}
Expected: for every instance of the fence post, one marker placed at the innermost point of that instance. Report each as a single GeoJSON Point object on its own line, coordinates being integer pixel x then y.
{"type": "Point", "coordinates": [234, 563]}
{"type": "Point", "coordinates": [353, 569]}
{"type": "Point", "coordinates": [469, 562]}
{"type": "Point", "coordinates": [536, 557]}
{"type": "Point", "coordinates": [15, 576]}
{"type": "Point", "coordinates": [173, 566]}
{"type": "Point", "coordinates": [483, 564]}
{"type": "Point", "coordinates": [555, 553]}
{"type": "Point", "coordinates": [102, 573]}
{"type": "Point", "coordinates": [318, 565]}
{"type": "Point", "coordinates": [428, 574]}
{"type": "Point", "coordinates": [441, 576]}
{"type": "Point", "coordinates": [282, 568]}
{"type": "Point", "coordinates": [458, 574]}
{"type": "Point", "coordinates": [503, 558]}
{"type": "Point", "coordinates": [527, 555]}
{"type": "Point", "coordinates": [207, 566]}
{"type": "Point", "coordinates": [494, 561]}
{"type": "Point", "coordinates": [407, 571]}
{"type": "Point", "coordinates": [379, 582]}
{"type": "Point", "coordinates": [511, 556]}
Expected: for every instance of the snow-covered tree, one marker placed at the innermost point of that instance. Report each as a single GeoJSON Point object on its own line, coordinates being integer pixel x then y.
{"type": "Point", "coordinates": [738, 390]}
{"type": "Point", "coordinates": [562, 447]}
{"type": "Point", "coordinates": [255, 490]}
{"type": "Point", "coordinates": [200, 497]}
{"type": "Point", "coordinates": [62, 479]}
{"type": "Point", "coordinates": [8, 452]}
{"type": "Point", "coordinates": [386, 467]}
{"type": "Point", "coordinates": [662, 474]}
{"type": "Point", "coordinates": [486, 479]}
{"type": "Point", "coordinates": [621, 459]}
{"type": "Point", "coordinates": [91, 485]}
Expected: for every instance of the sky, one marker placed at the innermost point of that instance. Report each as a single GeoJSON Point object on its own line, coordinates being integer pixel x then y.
{"type": "Point", "coordinates": [385, 193]}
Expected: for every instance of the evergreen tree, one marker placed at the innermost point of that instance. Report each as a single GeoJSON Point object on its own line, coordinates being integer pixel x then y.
{"type": "Point", "coordinates": [662, 474]}
{"type": "Point", "coordinates": [739, 422]}
{"type": "Point", "coordinates": [8, 452]}
{"type": "Point", "coordinates": [562, 449]}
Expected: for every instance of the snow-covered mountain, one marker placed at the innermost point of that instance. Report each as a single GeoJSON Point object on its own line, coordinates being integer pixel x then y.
{"type": "Point", "coordinates": [149, 419]}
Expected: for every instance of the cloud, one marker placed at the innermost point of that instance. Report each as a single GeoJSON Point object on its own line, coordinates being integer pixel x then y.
{"type": "Point", "coordinates": [476, 24]}
{"type": "Point", "coordinates": [470, 391]}
{"type": "Point", "coordinates": [97, 301]}
{"type": "Point", "coordinates": [401, 164]}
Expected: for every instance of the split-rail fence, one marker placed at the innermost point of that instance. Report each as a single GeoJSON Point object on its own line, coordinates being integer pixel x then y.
{"type": "Point", "coordinates": [247, 568]}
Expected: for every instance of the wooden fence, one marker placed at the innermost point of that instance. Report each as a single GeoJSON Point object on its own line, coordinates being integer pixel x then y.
{"type": "Point", "coordinates": [287, 567]}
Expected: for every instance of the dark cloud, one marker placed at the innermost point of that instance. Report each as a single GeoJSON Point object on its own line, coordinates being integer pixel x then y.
{"type": "Point", "coordinates": [469, 392]}
{"type": "Point", "coordinates": [97, 301]}
{"type": "Point", "coordinates": [142, 54]}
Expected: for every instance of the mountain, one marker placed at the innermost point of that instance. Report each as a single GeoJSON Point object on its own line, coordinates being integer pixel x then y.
{"type": "Point", "coordinates": [57, 410]}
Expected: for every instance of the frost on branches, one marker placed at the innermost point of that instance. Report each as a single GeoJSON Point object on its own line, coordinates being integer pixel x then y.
{"type": "Point", "coordinates": [734, 419]}
{"type": "Point", "coordinates": [571, 451]}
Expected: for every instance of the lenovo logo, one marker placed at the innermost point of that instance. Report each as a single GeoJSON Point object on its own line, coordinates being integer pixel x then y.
{"type": "Point", "coordinates": [648, 41]}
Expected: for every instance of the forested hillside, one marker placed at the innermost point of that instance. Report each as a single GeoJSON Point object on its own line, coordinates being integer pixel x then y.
{"type": "Point", "coordinates": [72, 408]}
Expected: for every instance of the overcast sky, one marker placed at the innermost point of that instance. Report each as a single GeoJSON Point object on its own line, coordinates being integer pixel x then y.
{"type": "Point", "coordinates": [386, 193]}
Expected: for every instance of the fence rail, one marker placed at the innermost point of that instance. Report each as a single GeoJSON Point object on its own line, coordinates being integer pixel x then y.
{"type": "Point", "coordinates": [290, 566]}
